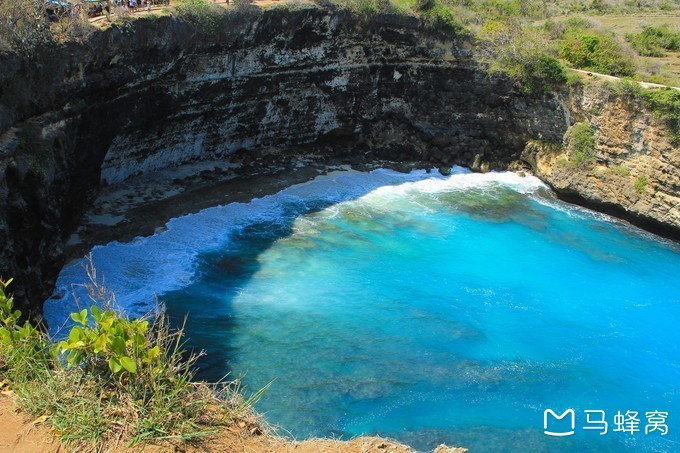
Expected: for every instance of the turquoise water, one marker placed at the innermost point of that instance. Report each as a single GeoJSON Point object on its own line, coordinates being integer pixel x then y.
{"type": "Point", "coordinates": [428, 309]}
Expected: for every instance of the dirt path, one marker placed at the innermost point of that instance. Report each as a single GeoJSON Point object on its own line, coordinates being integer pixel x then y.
{"type": "Point", "coordinates": [19, 434]}
{"type": "Point", "coordinates": [610, 77]}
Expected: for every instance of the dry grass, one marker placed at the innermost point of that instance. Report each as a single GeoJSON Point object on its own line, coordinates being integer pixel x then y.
{"type": "Point", "coordinates": [667, 67]}
{"type": "Point", "coordinates": [94, 408]}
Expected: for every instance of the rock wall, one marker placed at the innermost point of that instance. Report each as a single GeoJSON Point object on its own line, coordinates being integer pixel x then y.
{"type": "Point", "coordinates": [161, 92]}
{"type": "Point", "coordinates": [636, 171]}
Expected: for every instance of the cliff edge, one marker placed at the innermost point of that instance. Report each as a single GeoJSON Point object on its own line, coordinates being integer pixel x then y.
{"type": "Point", "coordinates": [160, 92]}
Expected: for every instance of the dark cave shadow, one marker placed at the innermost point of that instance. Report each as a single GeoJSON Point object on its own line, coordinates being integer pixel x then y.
{"type": "Point", "coordinates": [208, 328]}
{"type": "Point", "coordinates": [206, 304]}
{"type": "Point", "coordinates": [221, 276]}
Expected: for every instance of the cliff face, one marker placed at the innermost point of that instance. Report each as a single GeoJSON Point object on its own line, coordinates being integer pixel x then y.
{"type": "Point", "coordinates": [635, 173]}
{"type": "Point", "coordinates": [162, 92]}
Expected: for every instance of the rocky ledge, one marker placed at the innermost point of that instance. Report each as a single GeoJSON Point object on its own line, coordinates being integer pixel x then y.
{"type": "Point", "coordinates": [634, 173]}
{"type": "Point", "coordinates": [259, 89]}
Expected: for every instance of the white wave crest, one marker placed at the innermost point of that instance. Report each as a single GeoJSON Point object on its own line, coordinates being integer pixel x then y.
{"type": "Point", "coordinates": [167, 261]}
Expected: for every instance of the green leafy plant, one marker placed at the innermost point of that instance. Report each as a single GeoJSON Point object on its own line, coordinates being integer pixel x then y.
{"type": "Point", "coordinates": [598, 53]}
{"type": "Point", "coordinates": [581, 139]}
{"type": "Point", "coordinates": [106, 340]}
{"type": "Point", "coordinates": [641, 184]}
{"type": "Point", "coordinates": [15, 336]}
{"type": "Point", "coordinates": [665, 104]}
{"type": "Point", "coordinates": [519, 51]}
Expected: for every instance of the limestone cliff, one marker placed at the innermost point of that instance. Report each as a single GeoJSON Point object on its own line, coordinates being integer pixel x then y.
{"type": "Point", "coordinates": [163, 92]}
{"type": "Point", "coordinates": [635, 170]}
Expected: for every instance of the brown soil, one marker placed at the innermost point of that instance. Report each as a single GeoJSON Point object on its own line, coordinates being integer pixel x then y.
{"type": "Point", "coordinates": [20, 434]}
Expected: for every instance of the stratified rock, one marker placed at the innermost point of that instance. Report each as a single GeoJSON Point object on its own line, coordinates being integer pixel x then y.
{"type": "Point", "coordinates": [162, 92]}
{"type": "Point", "coordinates": [635, 173]}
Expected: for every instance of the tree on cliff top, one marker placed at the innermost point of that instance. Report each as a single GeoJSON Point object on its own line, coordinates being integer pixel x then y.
{"type": "Point", "coordinates": [28, 24]}
{"type": "Point", "coordinates": [520, 51]}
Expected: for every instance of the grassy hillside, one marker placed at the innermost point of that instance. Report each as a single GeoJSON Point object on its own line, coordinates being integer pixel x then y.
{"type": "Point", "coordinates": [519, 37]}
{"type": "Point", "coordinates": [523, 38]}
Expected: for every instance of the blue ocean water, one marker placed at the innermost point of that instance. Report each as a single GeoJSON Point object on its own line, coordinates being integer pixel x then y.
{"type": "Point", "coordinates": [428, 309]}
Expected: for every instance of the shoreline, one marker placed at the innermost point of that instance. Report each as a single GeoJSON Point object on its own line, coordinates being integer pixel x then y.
{"type": "Point", "coordinates": [142, 205]}
{"type": "Point", "coordinates": [222, 185]}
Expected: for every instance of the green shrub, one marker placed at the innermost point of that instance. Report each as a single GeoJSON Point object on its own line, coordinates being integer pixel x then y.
{"type": "Point", "coordinates": [106, 343]}
{"type": "Point", "coordinates": [653, 41]}
{"type": "Point", "coordinates": [518, 50]}
{"type": "Point", "coordinates": [575, 78]}
{"type": "Point", "coordinates": [618, 170]}
{"type": "Point", "coordinates": [22, 346]}
{"type": "Point", "coordinates": [628, 91]}
{"type": "Point", "coordinates": [498, 9]}
{"type": "Point", "coordinates": [578, 23]}
{"type": "Point", "coordinates": [545, 70]}
{"type": "Point", "coordinates": [596, 53]}
{"type": "Point", "coordinates": [626, 88]}
{"type": "Point", "coordinates": [439, 15]}
{"type": "Point", "coordinates": [24, 25]}
{"type": "Point", "coordinates": [582, 144]}
{"type": "Point", "coordinates": [371, 7]}
{"type": "Point", "coordinates": [599, 6]}
{"type": "Point", "coordinates": [641, 184]}
{"type": "Point", "coordinates": [122, 380]}
{"type": "Point", "coordinates": [665, 104]}
{"type": "Point", "coordinates": [434, 13]}
{"type": "Point", "coordinates": [200, 12]}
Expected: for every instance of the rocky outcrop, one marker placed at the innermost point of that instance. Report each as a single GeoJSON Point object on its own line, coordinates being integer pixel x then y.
{"type": "Point", "coordinates": [635, 172]}
{"type": "Point", "coordinates": [162, 92]}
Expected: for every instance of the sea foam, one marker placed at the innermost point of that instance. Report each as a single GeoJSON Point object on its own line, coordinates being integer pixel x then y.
{"type": "Point", "coordinates": [139, 271]}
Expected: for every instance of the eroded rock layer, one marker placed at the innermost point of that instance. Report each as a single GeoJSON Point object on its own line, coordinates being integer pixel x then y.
{"type": "Point", "coordinates": [635, 169]}
{"type": "Point", "coordinates": [163, 92]}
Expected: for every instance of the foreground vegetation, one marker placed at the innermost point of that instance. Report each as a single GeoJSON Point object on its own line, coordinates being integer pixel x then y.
{"type": "Point", "coordinates": [112, 380]}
